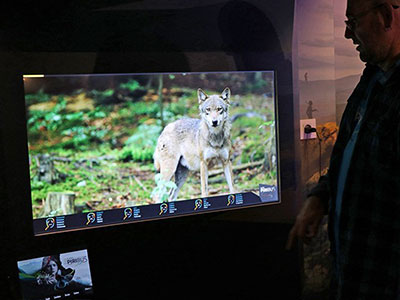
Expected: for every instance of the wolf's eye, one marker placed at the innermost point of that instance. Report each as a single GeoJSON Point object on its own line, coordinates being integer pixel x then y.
{"type": "Point", "coordinates": [219, 109]}
{"type": "Point", "coordinates": [208, 109]}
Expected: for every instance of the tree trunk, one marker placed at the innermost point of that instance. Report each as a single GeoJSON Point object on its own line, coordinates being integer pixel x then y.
{"type": "Point", "coordinates": [249, 165]}
{"type": "Point", "coordinates": [59, 203]}
{"type": "Point", "coordinates": [160, 99]}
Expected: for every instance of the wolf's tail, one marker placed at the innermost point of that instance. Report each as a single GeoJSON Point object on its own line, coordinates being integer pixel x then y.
{"type": "Point", "coordinates": [156, 161]}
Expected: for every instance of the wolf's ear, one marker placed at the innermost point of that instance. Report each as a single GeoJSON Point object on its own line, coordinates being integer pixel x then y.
{"type": "Point", "coordinates": [201, 95]}
{"type": "Point", "coordinates": [226, 95]}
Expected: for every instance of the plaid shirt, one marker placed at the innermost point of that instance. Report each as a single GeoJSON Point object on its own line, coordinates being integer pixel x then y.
{"type": "Point", "coordinates": [369, 228]}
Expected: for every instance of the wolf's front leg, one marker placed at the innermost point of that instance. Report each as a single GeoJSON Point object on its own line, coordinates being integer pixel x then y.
{"type": "Point", "coordinates": [204, 178]}
{"type": "Point", "coordinates": [229, 176]}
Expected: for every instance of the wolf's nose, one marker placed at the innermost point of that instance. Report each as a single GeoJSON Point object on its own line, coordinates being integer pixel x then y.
{"type": "Point", "coordinates": [215, 123]}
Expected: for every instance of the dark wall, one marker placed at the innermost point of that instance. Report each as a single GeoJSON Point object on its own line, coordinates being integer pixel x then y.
{"type": "Point", "coordinates": [220, 253]}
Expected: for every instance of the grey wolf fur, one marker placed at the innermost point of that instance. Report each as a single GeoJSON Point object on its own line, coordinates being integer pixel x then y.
{"type": "Point", "coordinates": [197, 144]}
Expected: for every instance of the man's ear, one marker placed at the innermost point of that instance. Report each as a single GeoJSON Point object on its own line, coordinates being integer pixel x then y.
{"type": "Point", "coordinates": [387, 13]}
{"type": "Point", "coordinates": [201, 95]}
{"type": "Point", "coordinates": [226, 95]}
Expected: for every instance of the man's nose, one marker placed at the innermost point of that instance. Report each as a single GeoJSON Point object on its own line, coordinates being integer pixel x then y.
{"type": "Point", "coordinates": [348, 34]}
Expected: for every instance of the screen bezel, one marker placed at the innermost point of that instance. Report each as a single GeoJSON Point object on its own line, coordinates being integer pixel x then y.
{"type": "Point", "coordinates": [168, 216]}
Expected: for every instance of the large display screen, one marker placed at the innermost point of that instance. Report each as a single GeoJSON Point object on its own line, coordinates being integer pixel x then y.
{"type": "Point", "coordinates": [59, 276]}
{"type": "Point", "coordinates": [109, 149]}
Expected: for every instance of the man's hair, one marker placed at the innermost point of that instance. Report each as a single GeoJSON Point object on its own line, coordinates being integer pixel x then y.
{"type": "Point", "coordinates": [393, 2]}
{"type": "Point", "coordinates": [377, 2]}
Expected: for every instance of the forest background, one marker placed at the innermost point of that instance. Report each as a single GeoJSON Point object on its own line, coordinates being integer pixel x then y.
{"type": "Point", "coordinates": [92, 137]}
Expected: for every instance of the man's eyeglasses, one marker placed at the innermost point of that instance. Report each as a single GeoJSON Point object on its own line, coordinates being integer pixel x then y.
{"type": "Point", "coordinates": [351, 23]}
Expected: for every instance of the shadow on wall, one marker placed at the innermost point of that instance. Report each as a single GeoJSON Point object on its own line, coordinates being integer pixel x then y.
{"type": "Point", "coordinates": [250, 37]}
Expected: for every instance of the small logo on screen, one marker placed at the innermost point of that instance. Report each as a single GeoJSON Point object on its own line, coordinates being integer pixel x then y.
{"type": "Point", "coordinates": [231, 200]}
{"type": "Point", "coordinates": [91, 217]}
{"type": "Point", "coordinates": [76, 260]}
{"type": "Point", "coordinates": [268, 193]}
{"type": "Point", "coordinates": [128, 212]}
{"type": "Point", "coordinates": [50, 223]}
{"type": "Point", "coordinates": [163, 208]}
{"type": "Point", "coordinates": [198, 204]}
